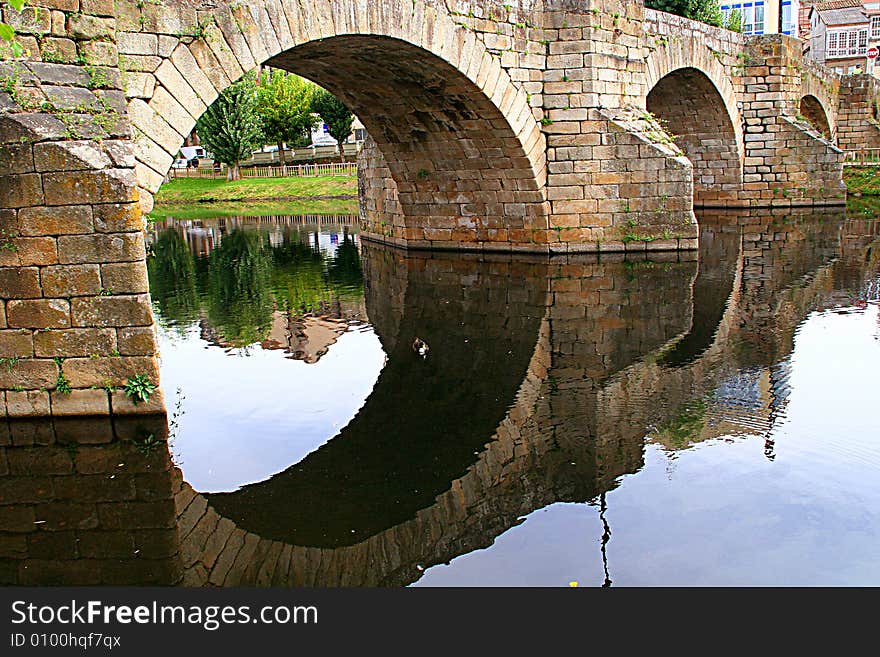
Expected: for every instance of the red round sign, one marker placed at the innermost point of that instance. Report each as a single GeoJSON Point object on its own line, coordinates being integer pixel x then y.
{"type": "Point", "coordinates": [872, 53]}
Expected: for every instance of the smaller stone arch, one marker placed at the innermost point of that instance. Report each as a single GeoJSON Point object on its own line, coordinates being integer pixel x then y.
{"type": "Point", "coordinates": [692, 108]}
{"type": "Point", "coordinates": [812, 110]}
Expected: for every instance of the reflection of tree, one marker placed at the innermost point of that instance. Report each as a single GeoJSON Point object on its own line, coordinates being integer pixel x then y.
{"type": "Point", "coordinates": [344, 271]}
{"type": "Point", "coordinates": [239, 297]}
{"type": "Point", "coordinates": [304, 282]}
{"type": "Point", "coordinates": [173, 279]}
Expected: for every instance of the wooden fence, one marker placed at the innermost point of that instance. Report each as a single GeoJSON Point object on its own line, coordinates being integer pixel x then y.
{"type": "Point", "coordinates": [288, 171]}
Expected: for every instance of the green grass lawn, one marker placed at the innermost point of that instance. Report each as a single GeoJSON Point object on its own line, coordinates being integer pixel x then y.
{"type": "Point", "coordinates": [862, 180]}
{"type": "Point", "coordinates": [252, 209]}
{"type": "Point", "coordinates": [206, 190]}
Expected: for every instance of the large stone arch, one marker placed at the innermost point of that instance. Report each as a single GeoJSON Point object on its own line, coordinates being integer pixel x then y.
{"type": "Point", "coordinates": [464, 151]}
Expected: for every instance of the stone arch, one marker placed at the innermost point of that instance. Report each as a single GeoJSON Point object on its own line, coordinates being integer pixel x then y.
{"type": "Point", "coordinates": [812, 110]}
{"type": "Point", "coordinates": [465, 154]}
{"type": "Point", "coordinates": [705, 126]}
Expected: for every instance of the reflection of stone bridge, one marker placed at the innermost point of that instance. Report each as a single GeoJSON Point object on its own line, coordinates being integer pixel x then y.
{"type": "Point", "coordinates": [493, 127]}
{"type": "Point", "coordinates": [540, 386]}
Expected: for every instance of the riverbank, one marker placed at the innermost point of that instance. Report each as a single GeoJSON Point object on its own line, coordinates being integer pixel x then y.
{"type": "Point", "coordinates": [862, 180]}
{"type": "Point", "coordinates": [186, 191]}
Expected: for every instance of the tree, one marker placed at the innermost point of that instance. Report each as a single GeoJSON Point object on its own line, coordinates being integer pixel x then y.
{"type": "Point", "coordinates": [284, 102]}
{"type": "Point", "coordinates": [231, 127]}
{"type": "Point", "coordinates": [706, 11]}
{"type": "Point", "coordinates": [336, 115]}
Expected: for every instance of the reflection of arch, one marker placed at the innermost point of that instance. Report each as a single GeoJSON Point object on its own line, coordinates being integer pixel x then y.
{"type": "Point", "coordinates": [811, 109]}
{"type": "Point", "coordinates": [705, 126]}
{"type": "Point", "coordinates": [448, 120]}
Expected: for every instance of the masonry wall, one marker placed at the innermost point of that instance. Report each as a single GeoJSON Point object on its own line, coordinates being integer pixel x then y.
{"type": "Point", "coordinates": [75, 313]}
{"type": "Point", "coordinates": [857, 117]}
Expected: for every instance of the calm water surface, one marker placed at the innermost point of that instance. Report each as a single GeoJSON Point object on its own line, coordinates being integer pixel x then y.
{"type": "Point", "coordinates": [683, 419]}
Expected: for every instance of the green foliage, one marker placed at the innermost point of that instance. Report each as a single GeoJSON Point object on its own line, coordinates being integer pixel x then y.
{"type": "Point", "coordinates": [735, 21]}
{"type": "Point", "coordinates": [172, 275]}
{"type": "Point", "coordinates": [239, 297]}
{"type": "Point", "coordinates": [231, 127]}
{"type": "Point", "coordinates": [706, 11]}
{"type": "Point", "coordinates": [138, 388]}
{"type": "Point", "coordinates": [284, 104]}
{"type": "Point", "coordinates": [7, 32]}
{"type": "Point", "coordinates": [335, 114]}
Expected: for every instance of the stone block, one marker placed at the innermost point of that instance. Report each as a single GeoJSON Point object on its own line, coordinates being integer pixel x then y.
{"type": "Point", "coordinates": [75, 343]}
{"type": "Point", "coordinates": [70, 156]}
{"type": "Point", "coordinates": [114, 371]}
{"type": "Point", "coordinates": [19, 191]}
{"type": "Point", "coordinates": [28, 403]}
{"type": "Point", "coordinates": [38, 313]}
{"type": "Point", "coordinates": [125, 278]}
{"type": "Point", "coordinates": [118, 218]}
{"type": "Point", "coordinates": [29, 374]}
{"type": "Point", "coordinates": [81, 187]}
{"type": "Point", "coordinates": [16, 344]}
{"type": "Point", "coordinates": [20, 128]}
{"type": "Point", "coordinates": [71, 280]}
{"type": "Point", "coordinates": [101, 248]}
{"type": "Point", "coordinates": [20, 283]}
{"type": "Point", "coordinates": [123, 405]}
{"type": "Point", "coordinates": [58, 220]}
{"type": "Point", "coordinates": [17, 158]}
{"type": "Point", "coordinates": [80, 402]}
{"type": "Point", "coordinates": [136, 341]}
{"type": "Point", "coordinates": [111, 311]}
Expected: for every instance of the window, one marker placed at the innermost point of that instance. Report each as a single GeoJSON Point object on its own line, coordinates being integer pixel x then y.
{"type": "Point", "coordinates": [752, 15]}
{"type": "Point", "coordinates": [875, 27]}
{"type": "Point", "coordinates": [846, 43]}
{"type": "Point", "coordinates": [789, 26]}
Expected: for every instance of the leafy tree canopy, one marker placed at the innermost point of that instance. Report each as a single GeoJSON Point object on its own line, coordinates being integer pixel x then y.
{"type": "Point", "coordinates": [284, 103]}
{"type": "Point", "coordinates": [335, 114]}
{"type": "Point", "coordinates": [231, 127]}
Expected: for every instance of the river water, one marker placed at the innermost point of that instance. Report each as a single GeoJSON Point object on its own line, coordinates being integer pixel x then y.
{"type": "Point", "coordinates": [658, 419]}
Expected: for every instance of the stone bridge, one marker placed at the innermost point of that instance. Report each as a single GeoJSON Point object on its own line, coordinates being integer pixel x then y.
{"type": "Point", "coordinates": [563, 422]}
{"type": "Point", "coordinates": [536, 126]}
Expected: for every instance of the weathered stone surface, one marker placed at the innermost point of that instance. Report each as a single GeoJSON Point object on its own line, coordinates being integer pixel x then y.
{"type": "Point", "coordinates": [16, 344]}
{"type": "Point", "coordinates": [29, 374]}
{"type": "Point", "coordinates": [30, 251]}
{"type": "Point", "coordinates": [77, 188]}
{"type": "Point", "coordinates": [118, 218]}
{"type": "Point", "coordinates": [101, 247]}
{"type": "Point", "coordinates": [82, 26]}
{"type": "Point", "coordinates": [109, 311]}
{"type": "Point", "coordinates": [60, 220]}
{"type": "Point", "coordinates": [17, 158]}
{"type": "Point", "coordinates": [20, 191]}
{"type": "Point", "coordinates": [62, 74]}
{"type": "Point", "coordinates": [71, 280]}
{"type": "Point", "coordinates": [125, 278]}
{"type": "Point", "coordinates": [70, 156]}
{"type": "Point", "coordinates": [74, 343]}
{"type": "Point", "coordinates": [123, 405]}
{"type": "Point", "coordinates": [100, 53]}
{"type": "Point", "coordinates": [38, 314]}
{"type": "Point", "coordinates": [136, 341]}
{"type": "Point", "coordinates": [30, 403]}
{"type": "Point", "coordinates": [115, 371]}
{"type": "Point", "coordinates": [20, 282]}
{"type": "Point", "coordinates": [19, 128]}
{"type": "Point", "coordinates": [80, 402]}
